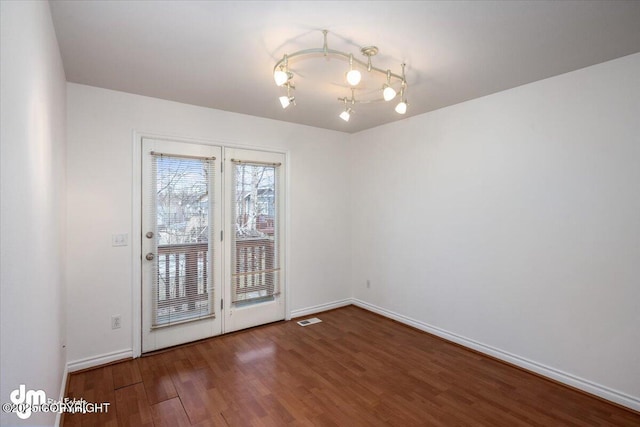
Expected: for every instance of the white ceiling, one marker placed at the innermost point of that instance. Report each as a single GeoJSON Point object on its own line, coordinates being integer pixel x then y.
{"type": "Point", "coordinates": [220, 54]}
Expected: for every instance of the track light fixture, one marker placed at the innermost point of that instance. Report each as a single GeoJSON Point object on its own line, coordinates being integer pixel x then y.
{"type": "Point", "coordinates": [346, 114]}
{"type": "Point", "coordinates": [401, 108]}
{"type": "Point", "coordinates": [287, 99]}
{"type": "Point", "coordinates": [280, 76]}
{"type": "Point", "coordinates": [353, 76]}
{"type": "Point", "coordinates": [388, 93]}
{"type": "Point", "coordinates": [283, 77]}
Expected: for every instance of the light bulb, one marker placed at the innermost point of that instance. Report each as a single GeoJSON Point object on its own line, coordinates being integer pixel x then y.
{"type": "Point", "coordinates": [346, 114]}
{"type": "Point", "coordinates": [401, 108]}
{"type": "Point", "coordinates": [281, 77]}
{"type": "Point", "coordinates": [285, 101]}
{"type": "Point", "coordinates": [353, 77]}
{"type": "Point", "coordinates": [388, 93]}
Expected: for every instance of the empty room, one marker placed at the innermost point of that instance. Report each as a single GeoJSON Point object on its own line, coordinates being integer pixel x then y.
{"type": "Point", "coordinates": [320, 213]}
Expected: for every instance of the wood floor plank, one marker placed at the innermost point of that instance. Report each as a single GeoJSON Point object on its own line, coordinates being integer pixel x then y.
{"type": "Point", "coordinates": [156, 379]}
{"type": "Point", "coordinates": [126, 373]}
{"type": "Point", "coordinates": [215, 420]}
{"type": "Point", "coordinates": [199, 400]}
{"type": "Point", "coordinates": [94, 386]}
{"type": "Point", "coordinates": [133, 407]}
{"type": "Point", "coordinates": [169, 413]}
{"type": "Point", "coordinates": [353, 369]}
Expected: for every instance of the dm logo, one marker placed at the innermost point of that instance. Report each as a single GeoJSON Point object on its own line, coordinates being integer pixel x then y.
{"type": "Point", "coordinates": [25, 400]}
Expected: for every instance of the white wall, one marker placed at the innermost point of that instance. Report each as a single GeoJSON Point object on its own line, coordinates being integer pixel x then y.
{"type": "Point", "coordinates": [33, 201]}
{"type": "Point", "coordinates": [513, 221]}
{"type": "Point", "coordinates": [101, 125]}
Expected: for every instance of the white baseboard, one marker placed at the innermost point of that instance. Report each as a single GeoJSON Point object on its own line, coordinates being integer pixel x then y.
{"type": "Point", "coordinates": [321, 307]}
{"type": "Point", "coordinates": [102, 359]}
{"type": "Point", "coordinates": [63, 390]}
{"type": "Point", "coordinates": [530, 365]}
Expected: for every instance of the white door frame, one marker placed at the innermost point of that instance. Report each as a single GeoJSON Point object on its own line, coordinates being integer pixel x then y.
{"type": "Point", "coordinates": [136, 224]}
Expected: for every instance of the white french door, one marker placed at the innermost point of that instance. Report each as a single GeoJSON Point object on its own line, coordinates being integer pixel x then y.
{"type": "Point", "coordinates": [212, 241]}
{"type": "Point", "coordinates": [255, 220]}
{"type": "Point", "coordinates": [181, 256]}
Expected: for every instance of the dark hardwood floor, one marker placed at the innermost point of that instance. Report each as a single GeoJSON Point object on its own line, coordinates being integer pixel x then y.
{"type": "Point", "coordinates": [353, 369]}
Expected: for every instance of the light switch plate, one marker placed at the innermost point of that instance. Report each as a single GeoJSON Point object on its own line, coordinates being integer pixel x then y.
{"type": "Point", "coordinates": [119, 239]}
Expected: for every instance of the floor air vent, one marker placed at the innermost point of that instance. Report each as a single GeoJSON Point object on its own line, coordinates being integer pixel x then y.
{"type": "Point", "coordinates": [308, 322]}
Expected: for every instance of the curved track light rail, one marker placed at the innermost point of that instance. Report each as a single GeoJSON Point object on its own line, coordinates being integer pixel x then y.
{"type": "Point", "coordinates": [283, 77]}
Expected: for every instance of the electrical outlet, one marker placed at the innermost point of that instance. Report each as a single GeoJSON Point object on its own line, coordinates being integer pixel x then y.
{"type": "Point", "coordinates": [368, 283]}
{"type": "Point", "coordinates": [116, 321]}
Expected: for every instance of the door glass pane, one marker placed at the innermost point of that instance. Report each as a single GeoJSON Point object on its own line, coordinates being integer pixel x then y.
{"type": "Point", "coordinates": [182, 273]}
{"type": "Point", "coordinates": [256, 264]}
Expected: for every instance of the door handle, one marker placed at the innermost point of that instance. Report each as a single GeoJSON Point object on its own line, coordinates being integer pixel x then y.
{"type": "Point", "coordinates": [149, 256]}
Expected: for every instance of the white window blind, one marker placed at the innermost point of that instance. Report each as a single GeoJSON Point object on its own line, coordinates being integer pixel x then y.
{"type": "Point", "coordinates": [181, 199]}
{"type": "Point", "coordinates": [255, 250]}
